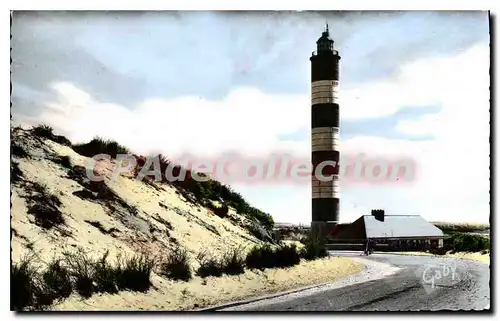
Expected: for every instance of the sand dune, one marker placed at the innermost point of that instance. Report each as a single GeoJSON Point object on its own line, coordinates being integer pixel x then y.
{"type": "Point", "coordinates": [148, 218]}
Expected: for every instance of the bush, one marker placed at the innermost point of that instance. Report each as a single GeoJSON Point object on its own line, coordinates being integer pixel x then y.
{"type": "Point", "coordinates": [135, 273]}
{"type": "Point", "coordinates": [104, 275]}
{"type": "Point", "coordinates": [64, 161]}
{"type": "Point", "coordinates": [176, 265]}
{"type": "Point", "coordinates": [17, 150]}
{"type": "Point", "coordinates": [313, 249]}
{"type": "Point", "coordinates": [232, 263]}
{"type": "Point", "coordinates": [24, 285]}
{"type": "Point", "coordinates": [265, 256]}
{"type": "Point", "coordinates": [100, 145]}
{"type": "Point", "coordinates": [80, 267]}
{"type": "Point", "coordinates": [15, 173]}
{"type": "Point", "coordinates": [56, 282]}
{"type": "Point", "coordinates": [45, 131]}
{"type": "Point", "coordinates": [44, 206]}
{"type": "Point", "coordinates": [462, 242]}
{"type": "Point", "coordinates": [209, 265]}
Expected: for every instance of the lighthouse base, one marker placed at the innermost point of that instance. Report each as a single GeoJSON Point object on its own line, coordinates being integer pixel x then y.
{"type": "Point", "coordinates": [319, 231]}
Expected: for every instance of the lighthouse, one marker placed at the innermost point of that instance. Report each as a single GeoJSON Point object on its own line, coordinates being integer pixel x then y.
{"type": "Point", "coordinates": [325, 132]}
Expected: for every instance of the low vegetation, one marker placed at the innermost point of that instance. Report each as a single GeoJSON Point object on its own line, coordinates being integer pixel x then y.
{"type": "Point", "coordinates": [231, 263]}
{"type": "Point", "coordinates": [206, 192]}
{"type": "Point", "coordinates": [64, 161]}
{"type": "Point", "coordinates": [313, 249]}
{"type": "Point", "coordinates": [461, 227]}
{"type": "Point", "coordinates": [17, 150]}
{"type": "Point", "coordinates": [99, 145]}
{"type": "Point", "coordinates": [268, 256]}
{"type": "Point", "coordinates": [76, 272]}
{"type": "Point", "coordinates": [43, 205]}
{"type": "Point", "coordinates": [463, 242]}
{"type": "Point", "coordinates": [176, 265]}
{"type": "Point", "coordinates": [79, 272]}
{"type": "Point", "coordinates": [24, 288]}
{"type": "Point", "coordinates": [44, 131]}
{"type": "Point", "coordinates": [16, 174]}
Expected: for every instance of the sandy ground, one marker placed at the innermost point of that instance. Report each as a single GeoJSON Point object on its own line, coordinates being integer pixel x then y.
{"type": "Point", "coordinates": [199, 293]}
{"type": "Point", "coordinates": [475, 256]}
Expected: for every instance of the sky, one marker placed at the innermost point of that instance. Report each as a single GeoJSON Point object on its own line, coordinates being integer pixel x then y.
{"type": "Point", "coordinates": [412, 84]}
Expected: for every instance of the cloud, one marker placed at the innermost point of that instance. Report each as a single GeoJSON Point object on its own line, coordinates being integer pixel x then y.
{"type": "Point", "coordinates": [233, 88]}
{"type": "Point", "coordinates": [452, 181]}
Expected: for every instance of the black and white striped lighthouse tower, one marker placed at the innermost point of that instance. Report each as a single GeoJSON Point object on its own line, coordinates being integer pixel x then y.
{"type": "Point", "coordinates": [324, 136]}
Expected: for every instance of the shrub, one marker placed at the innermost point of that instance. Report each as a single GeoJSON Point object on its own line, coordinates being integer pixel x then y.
{"type": "Point", "coordinates": [64, 161]}
{"type": "Point", "coordinates": [17, 150]}
{"type": "Point", "coordinates": [313, 249]}
{"type": "Point", "coordinates": [232, 262]}
{"type": "Point", "coordinates": [24, 285]}
{"type": "Point", "coordinates": [265, 256]}
{"type": "Point", "coordinates": [100, 145]}
{"type": "Point", "coordinates": [209, 265]}
{"type": "Point", "coordinates": [15, 173]}
{"type": "Point", "coordinates": [135, 273]}
{"type": "Point", "coordinates": [45, 131]}
{"type": "Point", "coordinates": [176, 265]}
{"type": "Point", "coordinates": [462, 242]}
{"type": "Point", "coordinates": [260, 257]}
{"type": "Point", "coordinates": [44, 206]}
{"type": "Point", "coordinates": [56, 282]}
{"type": "Point", "coordinates": [287, 255]}
{"type": "Point", "coordinates": [104, 275]}
{"type": "Point", "coordinates": [80, 267]}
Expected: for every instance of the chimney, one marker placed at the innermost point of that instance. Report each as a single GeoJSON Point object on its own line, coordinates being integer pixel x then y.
{"type": "Point", "coordinates": [378, 214]}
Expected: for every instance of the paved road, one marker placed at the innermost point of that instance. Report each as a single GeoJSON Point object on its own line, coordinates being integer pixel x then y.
{"type": "Point", "coordinates": [409, 289]}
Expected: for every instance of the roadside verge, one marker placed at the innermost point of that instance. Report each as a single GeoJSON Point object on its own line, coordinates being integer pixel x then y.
{"type": "Point", "coordinates": [371, 271]}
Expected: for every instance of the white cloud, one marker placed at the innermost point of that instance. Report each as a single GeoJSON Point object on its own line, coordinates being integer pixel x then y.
{"type": "Point", "coordinates": [452, 182]}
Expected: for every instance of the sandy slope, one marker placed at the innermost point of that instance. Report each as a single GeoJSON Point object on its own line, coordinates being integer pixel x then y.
{"type": "Point", "coordinates": [163, 219]}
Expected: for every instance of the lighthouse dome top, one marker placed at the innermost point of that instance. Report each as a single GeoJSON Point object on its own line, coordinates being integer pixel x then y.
{"type": "Point", "coordinates": [325, 43]}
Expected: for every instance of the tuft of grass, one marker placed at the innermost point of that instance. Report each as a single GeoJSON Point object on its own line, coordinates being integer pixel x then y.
{"type": "Point", "coordinates": [267, 256]}
{"type": "Point", "coordinates": [24, 284]}
{"type": "Point", "coordinates": [105, 276]}
{"type": "Point", "coordinates": [44, 206]}
{"type": "Point", "coordinates": [18, 150]}
{"type": "Point", "coordinates": [80, 266]}
{"type": "Point", "coordinates": [76, 271]}
{"type": "Point", "coordinates": [135, 273]}
{"type": "Point", "coordinates": [56, 282]}
{"type": "Point", "coordinates": [463, 242]}
{"type": "Point", "coordinates": [176, 265]}
{"type": "Point", "coordinates": [64, 161]}
{"type": "Point", "coordinates": [232, 262]}
{"type": "Point", "coordinates": [15, 173]}
{"type": "Point", "coordinates": [100, 145]}
{"type": "Point", "coordinates": [313, 249]}
{"type": "Point", "coordinates": [209, 265]}
{"type": "Point", "coordinates": [45, 131]}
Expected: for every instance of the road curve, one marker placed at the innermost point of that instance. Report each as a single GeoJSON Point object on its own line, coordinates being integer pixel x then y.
{"type": "Point", "coordinates": [458, 285]}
